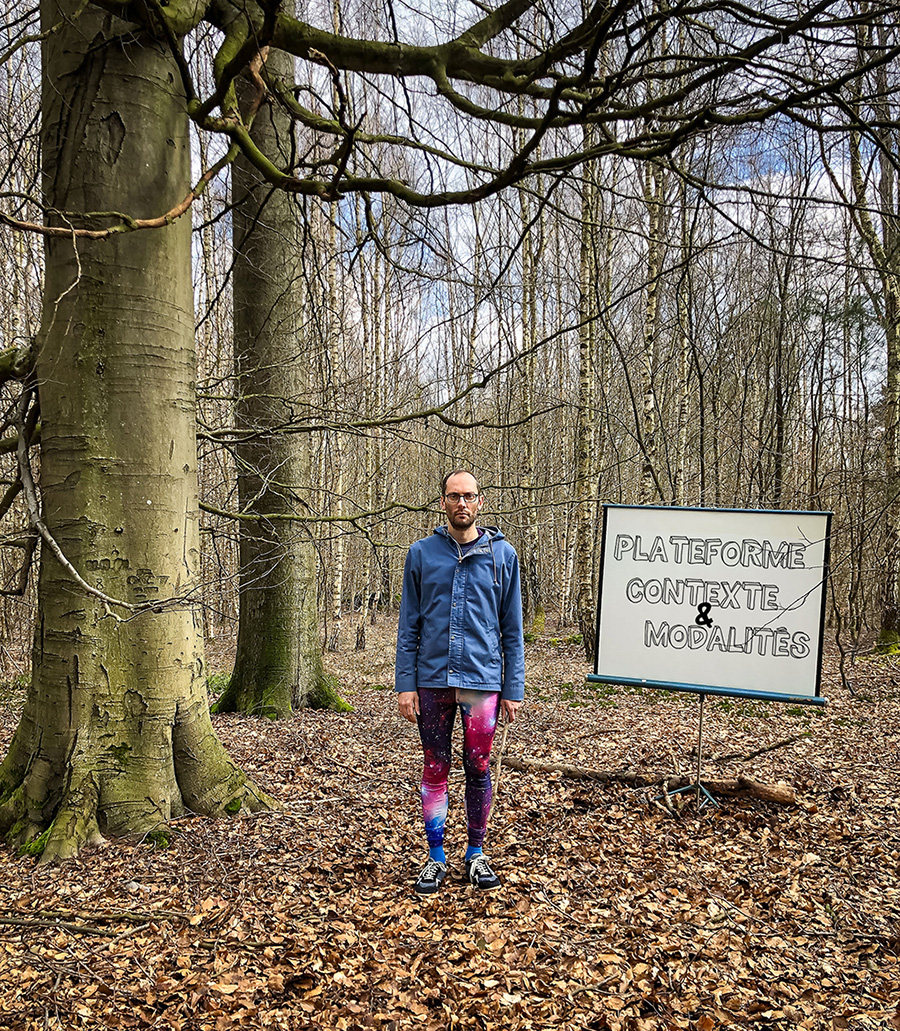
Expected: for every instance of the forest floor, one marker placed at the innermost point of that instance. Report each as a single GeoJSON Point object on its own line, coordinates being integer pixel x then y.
{"type": "Point", "coordinates": [613, 914]}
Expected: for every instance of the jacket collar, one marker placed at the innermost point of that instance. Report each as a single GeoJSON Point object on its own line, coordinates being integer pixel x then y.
{"type": "Point", "coordinates": [485, 543]}
{"type": "Point", "coordinates": [490, 535]}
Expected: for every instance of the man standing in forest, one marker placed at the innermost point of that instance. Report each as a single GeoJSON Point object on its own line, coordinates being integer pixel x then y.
{"type": "Point", "coordinates": [459, 644]}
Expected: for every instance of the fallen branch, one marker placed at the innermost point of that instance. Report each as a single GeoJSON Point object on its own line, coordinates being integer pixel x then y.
{"type": "Point", "coordinates": [246, 943]}
{"type": "Point", "coordinates": [781, 793]}
{"type": "Point", "coordinates": [119, 916]}
{"type": "Point", "coordinates": [634, 779]}
{"type": "Point", "coordinates": [759, 751]}
{"type": "Point", "coordinates": [58, 925]}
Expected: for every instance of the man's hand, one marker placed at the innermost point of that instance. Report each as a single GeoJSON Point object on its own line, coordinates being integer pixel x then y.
{"type": "Point", "coordinates": [408, 702]}
{"type": "Point", "coordinates": [509, 710]}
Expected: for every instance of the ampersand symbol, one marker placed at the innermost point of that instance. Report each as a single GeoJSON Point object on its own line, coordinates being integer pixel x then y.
{"type": "Point", "coordinates": [703, 614]}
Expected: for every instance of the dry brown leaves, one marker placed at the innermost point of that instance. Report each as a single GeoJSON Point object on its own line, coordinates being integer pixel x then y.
{"type": "Point", "coordinates": [613, 914]}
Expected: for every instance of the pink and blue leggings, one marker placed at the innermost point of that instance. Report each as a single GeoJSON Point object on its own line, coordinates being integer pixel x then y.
{"type": "Point", "coordinates": [479, 717]}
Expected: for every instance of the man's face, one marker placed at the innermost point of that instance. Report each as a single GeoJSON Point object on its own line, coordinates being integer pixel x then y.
{"type": "Point", "coordinates": [461, 514]}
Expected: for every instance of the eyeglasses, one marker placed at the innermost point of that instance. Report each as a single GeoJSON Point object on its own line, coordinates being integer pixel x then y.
{"type": "Point", "coordinates": [455, 499]}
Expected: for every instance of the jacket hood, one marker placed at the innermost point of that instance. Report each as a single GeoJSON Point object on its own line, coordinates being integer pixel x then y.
{"type": "Point", "coordinates": [491, 533]}
{"type": "Point", "coordinates": [485, 542]}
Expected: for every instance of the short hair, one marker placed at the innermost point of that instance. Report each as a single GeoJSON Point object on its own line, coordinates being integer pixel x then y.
{"type": "Point", "coordinates": [456, 472]}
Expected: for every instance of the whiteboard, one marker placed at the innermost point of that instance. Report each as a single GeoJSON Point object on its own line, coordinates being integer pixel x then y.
{"type": "Point", "coordinates": [720, 600]}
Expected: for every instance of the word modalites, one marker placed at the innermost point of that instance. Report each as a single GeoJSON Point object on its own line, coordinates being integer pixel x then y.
{"type": "Point", "coordinates": [777, 642]}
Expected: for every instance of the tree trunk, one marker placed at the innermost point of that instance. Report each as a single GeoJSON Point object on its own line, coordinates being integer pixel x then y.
{"type": "Point", "coordinates": [115, 736]}
{"type": "Point", "coordinates": [333, 640]}
{"type": "Point", "coordinates": [683, 337]}
{"type": "Point", "coordinates": [585, 437]}
{"type": "Point", "coordinates": [532, 595]}
{"type": "Point", "coordinates": [889, 631]}
{"type": "Point", "coordinates": [653, 197]}
{"type": "Point", "coordinates": [278, 665]}
{"type": "Point", "coordinates": [884, 250]}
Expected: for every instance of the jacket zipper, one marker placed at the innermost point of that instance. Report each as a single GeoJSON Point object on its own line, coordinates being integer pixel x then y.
{"type": "Point", "coordinates": [459, 549]}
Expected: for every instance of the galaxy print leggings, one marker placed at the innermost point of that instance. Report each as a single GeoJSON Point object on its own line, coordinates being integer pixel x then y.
{"type": "Point", "coordinates": [479, 716]}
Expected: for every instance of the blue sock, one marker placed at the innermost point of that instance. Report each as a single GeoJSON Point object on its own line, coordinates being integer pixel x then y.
{"type": "Point", "coordinates": [472, 850]}
{"type": "Point", "coordinates": [437, 854]}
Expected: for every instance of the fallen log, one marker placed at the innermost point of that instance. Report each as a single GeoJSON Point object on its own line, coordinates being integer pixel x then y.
{"type": "Point", "coordinates": [781, 793]}
{"type": "Point", "coordinates": [636, 780]}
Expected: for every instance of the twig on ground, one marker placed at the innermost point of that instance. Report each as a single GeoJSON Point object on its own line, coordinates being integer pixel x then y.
{"type": "Point", "coordinates": [759, 751]}
{"type": "Point", "coordinates": [103, 916]}
{"type": "Point", "coordinates": [500, 758]}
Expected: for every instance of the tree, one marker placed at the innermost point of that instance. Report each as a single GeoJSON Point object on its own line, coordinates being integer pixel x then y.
{"type": "Point", "coordinates": [278, 666]}
{"type": "Point", "coordinates": [115, 737]}
{"type": "Point", "coordinates": [875, 209]}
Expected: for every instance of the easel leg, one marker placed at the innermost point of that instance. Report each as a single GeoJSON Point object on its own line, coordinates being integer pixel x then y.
{"type": "Point", "coordinates": [703, 796]}
{"type": "Point", "coordinates": [700, 749]}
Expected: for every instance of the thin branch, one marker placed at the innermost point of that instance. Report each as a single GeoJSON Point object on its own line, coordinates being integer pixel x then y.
{"type": "Point", "coordinates": [759, 751]}
{"type": "Point", "coordinates": [127, 224]}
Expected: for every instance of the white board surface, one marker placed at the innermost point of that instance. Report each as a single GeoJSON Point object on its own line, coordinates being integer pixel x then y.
{"type": "Point", "coordinates": [724, 599]}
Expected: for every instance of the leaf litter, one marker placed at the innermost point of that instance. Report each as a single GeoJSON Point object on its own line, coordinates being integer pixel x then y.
{"type": "Point", "coordinates": [614, 913]}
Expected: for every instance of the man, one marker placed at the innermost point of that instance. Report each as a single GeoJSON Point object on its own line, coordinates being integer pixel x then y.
{"type": "Point", "coordinates": [459, 645]}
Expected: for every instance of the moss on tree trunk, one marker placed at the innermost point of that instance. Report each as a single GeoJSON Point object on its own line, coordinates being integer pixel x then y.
{"type": "Point", "coordinates": [115, 737]}
{"type": "Point", "coordinates": [278, 666]}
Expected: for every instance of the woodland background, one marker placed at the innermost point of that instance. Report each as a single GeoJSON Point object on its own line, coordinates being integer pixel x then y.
{"type": "Point", "coordinates": [717, 329]}
{"type": "Point", "coordinates": [704, 314]}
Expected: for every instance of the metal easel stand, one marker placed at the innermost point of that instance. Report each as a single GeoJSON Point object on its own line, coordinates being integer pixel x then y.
{"type": "Point", "coordinates": [703, 796]}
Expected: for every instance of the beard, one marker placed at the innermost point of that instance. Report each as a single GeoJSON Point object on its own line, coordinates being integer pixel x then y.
{"type": "Point", "coordinates": [461, 519]}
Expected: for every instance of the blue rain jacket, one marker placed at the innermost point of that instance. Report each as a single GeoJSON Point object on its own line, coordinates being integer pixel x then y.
{"type": "Point", "coordinates": [461, 617]}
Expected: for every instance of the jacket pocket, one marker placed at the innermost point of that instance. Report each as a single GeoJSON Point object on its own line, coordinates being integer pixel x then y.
{"type": "Point", "coordinates": [491, 662]}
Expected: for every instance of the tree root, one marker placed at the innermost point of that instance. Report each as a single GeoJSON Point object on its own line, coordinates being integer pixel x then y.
{"type": "Point", "coordinates": [75, 824]}
{"type": "Point", "coordinates": [53, 813]}
{"type": "Point", "coordinates": [323, 694]}
{"type": "Point", "coordinates": [888, 643]}
{"type": "Point", "coordinates": [275, 703]}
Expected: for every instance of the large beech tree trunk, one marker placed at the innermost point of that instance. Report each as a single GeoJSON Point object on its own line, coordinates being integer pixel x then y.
{"type": "Point", "coordinates": [278, 665]}
{"type": "Point", "coordinates": [115, 737]}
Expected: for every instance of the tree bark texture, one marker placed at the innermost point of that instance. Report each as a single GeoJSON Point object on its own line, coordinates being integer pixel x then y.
{"type": "Point", "coordinates": [883, 245]}
{"type": "Point", "coordinates": [653, 198]}
{"type": "Point", "coordinates": [585, 429]}
{"type": "Point", "coordinates": [115, 737]}
{"type": "Point", "coordinates": [278, 664]}
{"type": "Point", "coordinates": [532, 598]}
